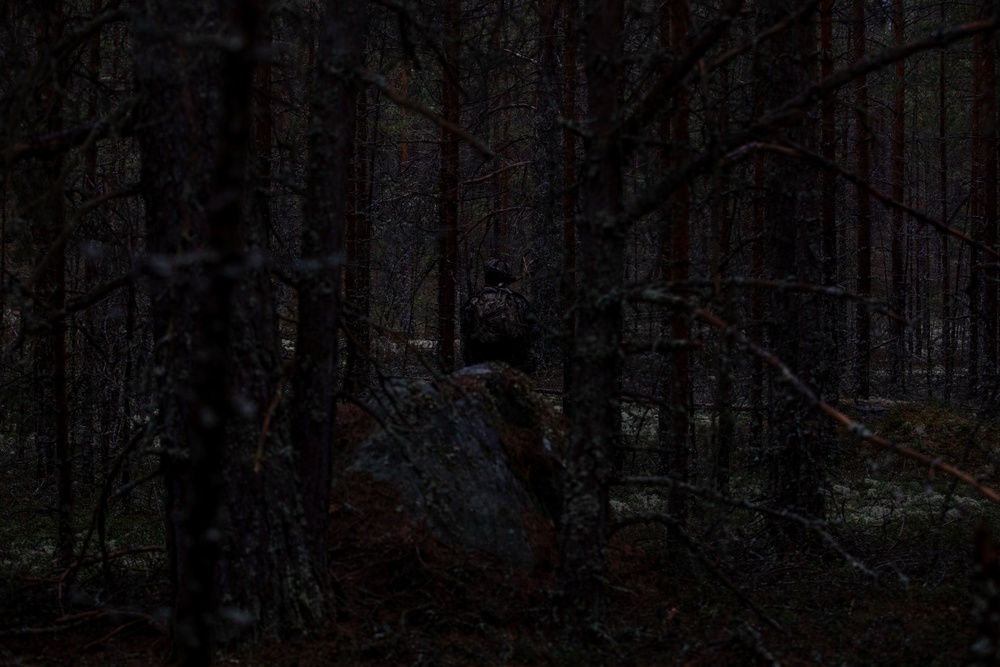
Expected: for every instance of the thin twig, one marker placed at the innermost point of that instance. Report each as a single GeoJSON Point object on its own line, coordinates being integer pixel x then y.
{"type": "Point", "coordinates": [405, 101]}
{"type": "Point", "coordinates": [856, 428]}
{"type": "Point", "coordinates": [814, 158]}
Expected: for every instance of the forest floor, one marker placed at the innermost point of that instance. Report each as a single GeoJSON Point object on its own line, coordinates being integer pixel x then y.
{"type": "Point", "coordinates": [895, 590]}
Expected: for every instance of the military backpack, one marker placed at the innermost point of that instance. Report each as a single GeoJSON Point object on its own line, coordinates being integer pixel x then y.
{"type": "Point", "coordinates": [494, 315]}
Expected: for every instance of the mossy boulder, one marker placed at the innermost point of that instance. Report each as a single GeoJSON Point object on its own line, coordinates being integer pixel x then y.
{"type": "Point", "coordinates": [471, 460]}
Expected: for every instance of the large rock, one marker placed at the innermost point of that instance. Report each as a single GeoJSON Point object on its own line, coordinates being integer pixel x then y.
{"type": "Point", "coordinates": [472, 460]}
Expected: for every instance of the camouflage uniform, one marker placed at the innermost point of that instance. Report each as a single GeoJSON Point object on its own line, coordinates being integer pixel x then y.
{"type": "Point", "coordinates": [498, 324]}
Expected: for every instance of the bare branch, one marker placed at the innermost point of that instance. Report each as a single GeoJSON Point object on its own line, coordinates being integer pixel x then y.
{"type": "Point", "coordinates": [404, 101]}
{"type": "Point", "coordinates": [60, 142]}
{"type": "Point", "coordinates": [940, 39]}
{"type": "Point", "coordinates": [650, 199]}
{"type": "Point", "coordinates": [856, 428]}
{"type": "Point", "coordinates": [831, 291]}
{"type": "Point", "coordinates": [819, 160]}
{"type": "Point", "coordinates": [663, 87]}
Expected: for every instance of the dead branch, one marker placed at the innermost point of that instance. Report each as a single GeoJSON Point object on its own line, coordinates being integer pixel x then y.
{"type": "Point", "coordinates": [60, 142]}
{"type": "Point", "coordinates": [404, 101]}
{"type": "Point", "coordinates": [818, 160]}
{"type": "Point", "coordinates": [831, 291]}
{"type": "Point", "coordinates": [650, 199]}
{"type": "Point", "coordinates": [856, 428]}
{"type": "Point", "coordinates": [663, 87]}
{"type": "Point", "coordinates": [939, 39]}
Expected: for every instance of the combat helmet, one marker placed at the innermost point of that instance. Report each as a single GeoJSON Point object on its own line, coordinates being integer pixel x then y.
{"type": "Point", "coordinates": [497, 273]}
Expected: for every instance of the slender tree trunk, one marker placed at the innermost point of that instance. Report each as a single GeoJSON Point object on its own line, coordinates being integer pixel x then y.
{"type": "Point", "coordinates": [546, 255]}
{"type": "Point", "coordinates": [862, 140]}
{"type": "Point", "coordinates": [448, 187]}
{"type": "Point", "coordinates": [976, 194]}
{"type": "Point", "coordinates": [363, 213]}
{"type": "Point", "coordinates": [331, 148]}
{"type": "Point", "coordinates": [988, 128]}
{"type": "Point", "coordinates": [570, 191]}
{"type": "Point", "coordinates": [499, 242]}
{"type": "Point", "coordinates": [264, 122]}
{"type": "Point", "coordinates": [41, 185]}
{"type": "Point", "coordinates": [86, 404]}
{"type": "Point", "coordinates": [828, 196]}
{"type": "Point", "coordinates": [234, 525]}
{"type": "Point", "coordinates": [897, 297]}
{"type": "Point", "coordinates": [722, 229]}
{"type": "Point", "coordinates": [676, 428]}
{"type": "Point", "coordinates": [758, 392]}
{"type": "Point", "coordinates": [126, 383]}
{"type": "Point", "coordinates": [94, 70]}
{"type": "Point", "coordinates": [357, 277]}
{"type": "Point", "coordinates": [595, 411]}
{"type": "Point", "coordinates": [404, 142]}
{"type": "Point", "coordinates": [793, 234]}
{"type": "Point", "coordinates": [947, 326]}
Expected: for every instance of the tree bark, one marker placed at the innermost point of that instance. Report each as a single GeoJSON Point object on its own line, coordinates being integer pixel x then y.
{"type": "Point", "coordinates": [44, 202]}
{"type": "Point", "coordinates": [675, 424]}
{"type": "Point", "coordinates": [828, 197]}
{"type": "Point", "coordinates": [357, 277]}
{"type": "Point", "coordinates": [976, 193]}
{"type": "Point", "coordinates": [798, 333]}
{"type": "Point", "coordinates": [233, 523]}
{"type": "Point", "coordinates": [331, 148]}
{"type": "Point", "coordinates": [897, 296]}
{"type": "Point", "coordinates": [546, 257]}
{"type": "Point", "coordinates": [988, 128]}
{"type": "Point", "coordinates": [448, 186]}
{"type": "Point", "coordinates": [594, 411]}
{"type": "Point", "coordinates": [725, 364]}
{"type": "Point", "coordinates": [862, 167]}
{"type": "Point", "coordinates": [947, 326]}
{"type": "Point", "coordinates": [570, 193]}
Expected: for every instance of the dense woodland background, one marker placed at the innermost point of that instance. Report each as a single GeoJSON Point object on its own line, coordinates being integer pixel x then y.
{"type": "Point", "coordinates": [756, 234]}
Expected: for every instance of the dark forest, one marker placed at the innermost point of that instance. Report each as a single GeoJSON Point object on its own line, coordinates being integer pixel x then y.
{"type": "Point", "coordinates": [238, 417]}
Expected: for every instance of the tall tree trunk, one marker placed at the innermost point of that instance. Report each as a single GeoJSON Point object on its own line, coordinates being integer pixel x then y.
{"type": "Point", "coordinates": [947, 326]}
{"type": "Point", "coordinates": [41, 187]}
{"type": "Point", "coordinates": [546, 234]}
{"type": "Point", "coordinates": [448, 187]}
{"type": "Point", "coordinates": [595, 412]}
{"type": "Point", "coordinates": [988, 128]}
{"type": "Point", "coordinates": [828, 197]}
{"type": "Point", "coordinates": [897, 295]}
{"type": "Point", "coordinates": [792, 231]}
{"type": "Point", "coordinates": [976, 194]}
{"type": "Point", "coordinates": [331, 147]}
{"type": "Point", "coordinates": [264, 122]}
{"type": "Point", "coordinates": [233, 522]}
{"type": "Point", "coordinates": [722, 232]}
{"type": "Point", "coordinates": [862, 167]}
{"type": "Point", "coordinates": [87, 405]}
{"type": "Point", "coordinates": [357, 277]}
{"type": "Point", "coordinates": [570, 193]}
{"type": "Point", "coordinates": [758, 394]}
{"type": "Point", "coordinates": [675, 424]}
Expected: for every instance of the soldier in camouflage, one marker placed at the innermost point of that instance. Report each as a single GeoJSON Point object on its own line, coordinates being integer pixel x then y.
{"type": "Point", "coordinates": [498, 323]}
